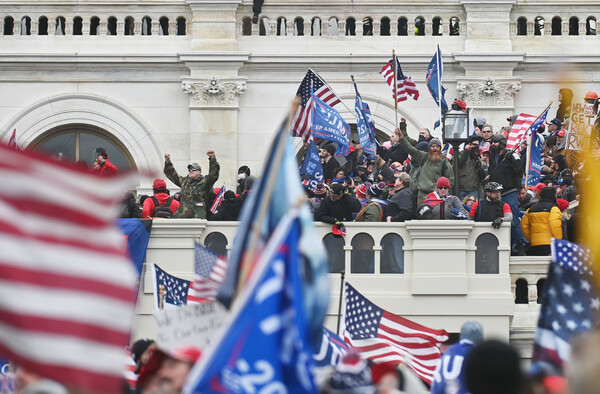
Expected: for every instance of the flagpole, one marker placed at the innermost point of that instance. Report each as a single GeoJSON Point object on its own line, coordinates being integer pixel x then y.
{"type": "Point", "coordinates": [395, 87]}
{"type": "Point", "coordinates": [325, 83]}
{"type": "Point", "coordinates": [528, 156]}
{"type": "Point", "coordinates": [439, 79]}
{"type": "Point", "coordinates": [343, 273]}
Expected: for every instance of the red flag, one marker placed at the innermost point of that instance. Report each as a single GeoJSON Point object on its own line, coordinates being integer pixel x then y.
{"type": "Point", "coordinates": [12, 143]}
{"type": "Point", "coordinates": [382, 336]}
{"type": "Point", "coordinates": [67, 290]}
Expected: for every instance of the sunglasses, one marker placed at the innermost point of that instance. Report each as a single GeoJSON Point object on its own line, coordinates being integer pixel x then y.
{"type": "Point", "coordinates": [443, 187]}
{"type": "Point", "coordinates": [487, 131]}
{"type": "Point", "coordinates": [193, 169]}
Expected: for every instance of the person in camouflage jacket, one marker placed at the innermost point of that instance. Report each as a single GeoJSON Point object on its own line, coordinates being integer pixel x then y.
{"type": "Point", "coordinates": [194, 187]}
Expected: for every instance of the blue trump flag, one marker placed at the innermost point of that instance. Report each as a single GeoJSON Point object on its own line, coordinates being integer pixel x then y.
{"type": "Point", "coordinates": [328, 124]}
{"type": "Point", "coordinates": [331, 349]}
{"type": "Point", "coordinates": [365, 125]}
{"type": "Point", "coordinates": [137, 234]}
{"type": "Point", "coordinates": [266, 345]}
{"type": "Point", "coordinates": [312, 166]}
{"type": "Point", "coordinates": [434, 82]}
{"type": "Point", "coordinates": [535, 161]}
{"type": "Point", "coordinates": [281, 169]}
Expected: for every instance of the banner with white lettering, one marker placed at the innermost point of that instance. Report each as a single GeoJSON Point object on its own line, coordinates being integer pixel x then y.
{"type": "Point", "coordinates": [328, 124]}
{"type": "Point", "coordinates": [580, 125]}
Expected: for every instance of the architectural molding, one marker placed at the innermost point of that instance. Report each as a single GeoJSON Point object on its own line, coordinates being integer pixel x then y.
{"type": "Point", "coordinates": [215, 91]}
{"type": "Point", "coordinates": [489, 92]}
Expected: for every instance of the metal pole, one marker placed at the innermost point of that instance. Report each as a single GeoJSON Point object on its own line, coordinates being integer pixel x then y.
{"type": "Point", "coordinates": [455, 146]}
{"type": "Point", "coordinates": [340, 303]}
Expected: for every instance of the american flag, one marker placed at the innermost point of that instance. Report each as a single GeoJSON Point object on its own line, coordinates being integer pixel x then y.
{"type": "Point", "coordinates": [302, 119]}
{"type": "Point", "coordinates": [12, 143]}
{"type": "Point", "coordinates": [522, 123]}
{"type": "Point", "coordinates": [218, 199]}
{"type": "Point", "coordinates": [570, 303]}
{"type": "Point", "coordinates": [210, 270]}
{"type": "Point", "coordinates": [382, 336]}
{"type": "Point", "coordinates": [67, 290]}
{"type": "Point", "coordinates": [128, 372]}
{"type": "Point", "coordinates": [405, 86]}
{"type": "Point", "coordinates": [448, 151]}
{"type": "Point", "coordinates": [175, 289]}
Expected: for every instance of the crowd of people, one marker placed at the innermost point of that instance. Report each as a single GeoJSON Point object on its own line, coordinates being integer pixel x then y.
{"type": "Point", "coordinates": [408, 179]}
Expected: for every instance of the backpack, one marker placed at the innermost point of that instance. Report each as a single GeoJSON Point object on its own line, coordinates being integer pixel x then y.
{"type": "Point", "coordinates": [162, 210]}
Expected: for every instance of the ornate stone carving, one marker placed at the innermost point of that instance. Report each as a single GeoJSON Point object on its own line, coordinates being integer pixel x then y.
{"type": "Point", "coordinates": [214, 91]}
{"type": "Point", "coordinates": [488, 93]}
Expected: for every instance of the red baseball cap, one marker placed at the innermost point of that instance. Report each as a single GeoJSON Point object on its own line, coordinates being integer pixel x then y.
{"type": "Point", "coordinates": [338, 230]}
{"type": "Point", "coordinates": [188, 354]}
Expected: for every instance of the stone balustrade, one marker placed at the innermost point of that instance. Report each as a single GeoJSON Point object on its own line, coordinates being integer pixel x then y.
{"type": "Point", "coordinates": [439, 273]}
{"type": "Point", "coordinates": [550, 24]}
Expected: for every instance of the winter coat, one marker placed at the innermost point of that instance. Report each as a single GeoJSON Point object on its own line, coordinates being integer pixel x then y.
{"type": "Point", "coordinates": [430, 171]}
{"type": "Point", "coordinates": [541, 223]}
{"type": "Point", "coordinates": [229, 210]}
{"type": "Point", "coordinates": [329, 169]}
{"type": "Point", "coordinates": [442, 208]}
{"type": "Point", "coordinates": [107, 168]}
{"type": "Point", "coordinates": [193, 191]}
{"type": "Point", "coordinates": [149, 206]}
{"type": "Point", "coordinates": [129, 207]}
{"type": "Point", "coordinates": [470, 171]}
{"type": "Point", "coordinates": [507, 172]}
{"type": "Point", "coordinates": [338, 211]}
{"type": "Point", "coordinates": [401, 206]}
{"type": "Point", "coordinates": [372, 212]}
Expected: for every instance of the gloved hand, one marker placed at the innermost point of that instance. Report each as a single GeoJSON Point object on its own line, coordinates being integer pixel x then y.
{"type": "Point", "coordinates": [497, 223]}
{"type": "Point", "coordinates": [339, 224]}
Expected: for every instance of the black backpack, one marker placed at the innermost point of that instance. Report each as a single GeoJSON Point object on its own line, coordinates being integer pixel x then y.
{"type": "Point", "coordinates": [162, 210]}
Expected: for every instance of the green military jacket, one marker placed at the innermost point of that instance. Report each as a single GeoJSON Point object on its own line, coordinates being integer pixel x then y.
{"type": "Point", "coordinates": [193, 195]}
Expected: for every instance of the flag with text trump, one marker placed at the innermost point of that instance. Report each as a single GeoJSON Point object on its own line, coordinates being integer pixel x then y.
{"type": "Point", "coordinates": [365, 125]}
{"type": "Point", "coordinates": [67, 288]}
{"type": "Point", "coordinates": [382, 336]}
{"type": "Point", "coordinates": [266, 346]}
{"type": "Point", "coordinates": [570, 304]}
{"type": "Point", "coordinates": [328, 124]}
{"type": "Point", "coordinates": [312, 83]}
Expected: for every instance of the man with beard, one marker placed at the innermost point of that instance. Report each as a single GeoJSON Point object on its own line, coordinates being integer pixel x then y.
{"type": "Point", "coordinates": [401, 206]}
{"type": "Point", "coordinates": [507, 170]}
{"type": "Point", "coordinates": [470, 169]}
{"type": "Point", "coordinates": [330, 163]}
{"type": "Point", "coordinates": [491, 208]}
{"type": "Point", "coordinates": [433, 166]}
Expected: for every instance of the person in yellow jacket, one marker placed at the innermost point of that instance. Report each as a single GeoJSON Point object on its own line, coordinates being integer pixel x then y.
{"type": "Point", "coordinates": [541, 223]}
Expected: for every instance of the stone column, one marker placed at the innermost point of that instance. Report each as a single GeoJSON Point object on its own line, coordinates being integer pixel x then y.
{"type": "Point", "coordinates": [488, 25]}
{"type": "Point", "coordinates": [214, 85]}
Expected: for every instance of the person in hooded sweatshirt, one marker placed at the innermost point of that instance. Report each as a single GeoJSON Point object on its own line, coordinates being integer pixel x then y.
{"type": "Point", "coordinates": [161, 204]}
{"type": "Point", "coordinates": [541, 223]}
{"type": "Point", "coordinates": [104, 166]}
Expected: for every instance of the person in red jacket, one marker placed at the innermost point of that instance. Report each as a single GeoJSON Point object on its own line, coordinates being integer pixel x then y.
{"type": "Point", "coordinates": [106, 167]}
{"type": "Point", "coordinates": [161, 195]}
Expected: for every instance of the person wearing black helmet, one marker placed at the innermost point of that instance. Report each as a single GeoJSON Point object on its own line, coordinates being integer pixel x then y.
{"type": "Point", "coordinates": [491, 208]}
{"type": "Point", "coordinates": [505, 168]}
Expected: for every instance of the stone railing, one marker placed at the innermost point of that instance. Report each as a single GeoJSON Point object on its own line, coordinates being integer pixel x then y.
{"type": "Point", "coordinates": [551, 24]}
{"type": "Point", "coordinates": [114, 24]}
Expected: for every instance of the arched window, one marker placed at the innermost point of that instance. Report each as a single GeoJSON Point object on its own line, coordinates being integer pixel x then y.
{"type": "Point", "coordinates": [9, 26]}
{"type": "Point", "coordinates": [129, 26]}
{"type": "Point", "coordinates": [590, 26]}
{"type": "Point", "coordinates": [367, 26]}
{"type": "Point", "coordinates": [363, 256]}
{"type": "Point", "coordinates": [487, 259]}
{"type": "Point", "coordinates": [436, 24]}
{"type": "Point", "coordinates": [79, 143]}
{"type": "Point", "coordinates": [385, 26]}
{"type": "Point", "coordinates": [351, 26]}
{"type": "Point", "coordinates": [181, 26]}
{"type": "Point", "coordinates": [522, 26]}
{"type": "Point", "coordinates": [454, 26]}
{"type": "Point", "coordinates": [216, 242]}
{"type": "Point", "coordinates": [392, 254]}
{"type": "Point", "coordinates": [163, 28]}
{"type": "Point", "coordinates": [574, 26]}
{"type": "Point", "coordinates": [281, 26]}
{"type": "Point", "coordinates": [333, 29]}
{"type": "Point", "coordinates": [42, 26]}
{"type": "Point", "coordinates": [538, 26]}
{"type": "Point", "coordinates": [541, 283]}
{"type": "Point", "coordinates": [264, 27]}
{"type": "Point", "coordinates": [402, 26]}
{"type": "Point", "coordinates": [25, 26]}
{"type": "Point", "coordinates": [77, 26]}
{"type": "Point", "coordinates": [419, 26]}
{"type": "Point", "coordinates": [146, 26]}
{"type": "Point", "coordinates": [94, 26]}
{"type": "Point", "coordinates": [60, 26]}
{"type": "Point", "coordinates": [111, 26]}
{"type": "Point", "coordinates": [316, 26]}
{"type": "Point", "coordinates": [521, 292]}
{"type": "Point", "coordinates": [247, 26]}
{"type": "Point", "coordinates": [334, 245]}
{"type": "Point", "coordinates": [556, 26]}
{"type": "Point", "coordinates": [299, 26]}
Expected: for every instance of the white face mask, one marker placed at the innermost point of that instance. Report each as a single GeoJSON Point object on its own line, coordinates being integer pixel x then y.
{"type": "Point", "coordinates": [241, 176]}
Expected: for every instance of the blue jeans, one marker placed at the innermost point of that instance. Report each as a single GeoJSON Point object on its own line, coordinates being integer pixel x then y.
{"type": "Point", "coordinates": [516, 234]}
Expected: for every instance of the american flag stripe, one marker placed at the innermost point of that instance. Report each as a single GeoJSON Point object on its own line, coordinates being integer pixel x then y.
{"type": "Point", "coordinates": [302, 118]}
{"type": "Point", "coordinates": [67, 290]}
{"type": "Point", "coordinates": [405, 86]}
{"type": "Point", "coordinates": [128, 372]}
{"type": "Point", "coordinates": [517, 132]}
